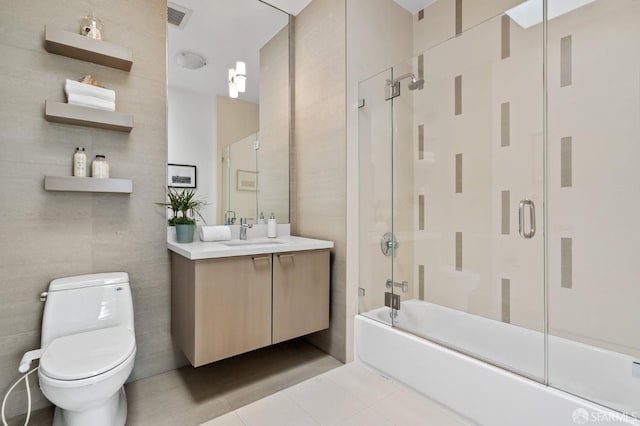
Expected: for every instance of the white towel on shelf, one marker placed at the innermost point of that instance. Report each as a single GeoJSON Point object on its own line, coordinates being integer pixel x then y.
{"type": "Point", "coordinates": [90, 102]}
{"type": "Point", "coordinates": [215, 233]}
{"type": "Point", "coordinates": [77, 88]}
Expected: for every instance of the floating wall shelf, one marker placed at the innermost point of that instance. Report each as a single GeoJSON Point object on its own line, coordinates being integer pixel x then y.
{"type": "Point", "coordinates": [58, 112]}
{"type": "Point", "coordinates": [82, 184]}
{"type": "Point", "coordinates": [87, 49]}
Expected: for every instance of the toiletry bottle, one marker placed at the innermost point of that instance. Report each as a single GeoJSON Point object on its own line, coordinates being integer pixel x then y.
{"type": "Point", "coordinates": [271, 227]}
{"type": "Point", "coordinates": [261, 219]}
{"type": "Point", "coordinates": [100, 167]}
{"type": "Point", "coordinates": [80, 163]}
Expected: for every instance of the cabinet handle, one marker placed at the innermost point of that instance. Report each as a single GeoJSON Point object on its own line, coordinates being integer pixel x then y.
{"type": "Point", "coordinates": [267, 258]}
{"type": "Point", "coordinates": [280, 256]}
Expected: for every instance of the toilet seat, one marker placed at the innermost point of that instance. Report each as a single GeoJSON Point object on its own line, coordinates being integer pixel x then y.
{"type": "Point", "coordinates": [88, 354]}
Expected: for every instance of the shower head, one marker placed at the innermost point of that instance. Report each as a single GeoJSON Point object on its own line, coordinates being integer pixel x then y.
{"type": "Point", "coordinates": [393, 86]}
{"type": "Point", "coordinates": [416, 84]}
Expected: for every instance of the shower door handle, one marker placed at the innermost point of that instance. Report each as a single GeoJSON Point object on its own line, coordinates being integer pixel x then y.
{"type": "Point", "coordinates": [532, 218]}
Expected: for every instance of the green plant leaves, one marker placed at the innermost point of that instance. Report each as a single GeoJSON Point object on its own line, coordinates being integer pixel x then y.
{"type": "Point", "coordinates": [181, 202]}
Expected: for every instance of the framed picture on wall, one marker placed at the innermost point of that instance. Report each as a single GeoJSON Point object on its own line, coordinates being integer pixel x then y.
{"type": "Point", "coordinates": [246, 180]}
{"type": "Point", "coordinates": [181, 176]}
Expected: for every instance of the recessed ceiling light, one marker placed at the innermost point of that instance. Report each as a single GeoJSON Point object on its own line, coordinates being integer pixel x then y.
{"type": "Point", "coordinates": [190, 60]}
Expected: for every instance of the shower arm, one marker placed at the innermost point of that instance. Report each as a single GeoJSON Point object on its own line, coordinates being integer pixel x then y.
{"type": "Point", "coordinates": [402, 77]}
{"type": "Point", "coordinates": [393, 87]}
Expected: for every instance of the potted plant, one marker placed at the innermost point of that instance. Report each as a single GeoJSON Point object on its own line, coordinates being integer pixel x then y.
{"type": "Point", "coordinates": [182, 203]}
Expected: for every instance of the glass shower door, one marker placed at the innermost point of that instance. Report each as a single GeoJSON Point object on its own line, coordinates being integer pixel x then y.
{"type": "Point", "coordinates": [467, 194]}
{"type": "Point", "coordinates": [594, 135]}
{"type": "Point", "coordinates": [375, 124]}
{"type": "Point", "coordinates": [514, 220]}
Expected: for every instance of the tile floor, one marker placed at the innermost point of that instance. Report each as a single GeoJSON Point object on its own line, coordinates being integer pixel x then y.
{"type": "Point", "coordinates": [346, 396]}
{"type": "Point", "coordinates": [189, 396]}
{"type": "Point", "coordinates": [290, 384]}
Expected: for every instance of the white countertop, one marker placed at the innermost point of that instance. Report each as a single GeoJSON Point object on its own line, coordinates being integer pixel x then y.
{"type": "Point", "coordinates": [211, 250]}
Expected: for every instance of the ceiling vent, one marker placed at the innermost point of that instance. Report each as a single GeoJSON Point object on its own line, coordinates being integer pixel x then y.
{"type": "Point", "coordinates": [178, 15]}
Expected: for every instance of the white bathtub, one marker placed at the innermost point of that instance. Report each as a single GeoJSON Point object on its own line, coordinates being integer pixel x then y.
{"type": "Point", "coordinates": [487, 394]}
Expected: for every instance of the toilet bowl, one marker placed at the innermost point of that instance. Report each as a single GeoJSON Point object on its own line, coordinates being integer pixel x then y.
{"type": "Point", "coordinates": [82, 374]}
{"type": "Point", "coordinates": [88, 349]}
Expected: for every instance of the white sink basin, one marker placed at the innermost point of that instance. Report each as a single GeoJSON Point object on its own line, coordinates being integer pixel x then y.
{"type": "Point", "coordinates": [253, 242]}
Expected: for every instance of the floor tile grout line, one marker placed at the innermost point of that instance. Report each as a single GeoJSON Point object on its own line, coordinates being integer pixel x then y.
{"type": "Point", "coordinates": [301, 407]}
{"type": "Point", "coordinates": [366, 405]}
{"type": "Point", "coordinates": [239, 416]}
{"type": "Point", "coordinates": [401, 387]}
{"type": "Point", "coordinates": [284, 394]}
{"type": "Point", "coordinates": [346, 390]}
{"type": "Point", "coordinates": [377, 400]}
{"type": "Point", "coordinates": [362, 411]}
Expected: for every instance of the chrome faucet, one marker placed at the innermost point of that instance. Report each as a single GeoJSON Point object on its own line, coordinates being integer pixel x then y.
{"type": "Point", "coordinates": [243, 228]}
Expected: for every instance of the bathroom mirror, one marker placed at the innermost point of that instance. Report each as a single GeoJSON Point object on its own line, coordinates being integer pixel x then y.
{"type": "Point", "coordinates": [239, 145]}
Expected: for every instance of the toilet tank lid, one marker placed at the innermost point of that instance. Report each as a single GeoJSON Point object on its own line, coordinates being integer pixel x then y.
{"type": "Point", "coordinates": [91, 280]}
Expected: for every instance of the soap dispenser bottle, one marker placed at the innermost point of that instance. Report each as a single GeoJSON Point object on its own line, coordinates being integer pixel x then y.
{"type": "Point", "coordinates": [261, 219]}
{"type": "Point", "coordinates": [272, 227]}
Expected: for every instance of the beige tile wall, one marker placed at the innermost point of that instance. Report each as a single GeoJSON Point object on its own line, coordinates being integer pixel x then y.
{"type": "Point", "coordinates": [48, 235]}
{"type": "Point", "coordinates": [319, 152]}
{"type": "Point", "coordinates": [439, 21]}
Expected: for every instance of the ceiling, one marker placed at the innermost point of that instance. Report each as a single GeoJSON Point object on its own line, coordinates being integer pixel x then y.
{"type": "Point", "coordinates": [295, 6]}
{"type": "Point", "coordinates": [226, 31]}
{"type": "Point", "coordinates": [292, 7]}
{"type": "Point", "coordinates": [223, 32]}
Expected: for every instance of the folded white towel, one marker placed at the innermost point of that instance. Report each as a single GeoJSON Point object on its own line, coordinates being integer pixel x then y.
{"type": "Point", "coordinates": [77, 88]}
{"type": "Point", "coordinates": [91, 102]}
{"type": "Point", "coordinates": [215, 233]}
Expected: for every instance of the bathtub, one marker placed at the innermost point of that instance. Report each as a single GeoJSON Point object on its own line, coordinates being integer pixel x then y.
{"type": "Point", "coordinates": [488, 394]}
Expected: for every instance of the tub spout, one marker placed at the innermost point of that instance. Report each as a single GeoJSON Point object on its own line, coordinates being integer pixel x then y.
{"type": "Point", "coordinates": [404, 285]}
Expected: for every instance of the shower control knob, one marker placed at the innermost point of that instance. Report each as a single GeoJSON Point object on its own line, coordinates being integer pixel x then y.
{"type": "Point", "coordinates": [387, 243]}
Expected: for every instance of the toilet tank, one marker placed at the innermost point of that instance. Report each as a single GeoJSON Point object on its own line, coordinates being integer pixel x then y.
{"type": "Point", "coordinates": [87, 302]}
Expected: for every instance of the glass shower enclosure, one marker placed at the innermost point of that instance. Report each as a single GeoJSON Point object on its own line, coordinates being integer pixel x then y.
{"type": "Point", "coordinates": [497, 174]}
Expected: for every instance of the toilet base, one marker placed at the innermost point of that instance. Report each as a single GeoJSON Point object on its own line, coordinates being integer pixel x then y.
{"type": "Point", "coordinates": [112, 413]}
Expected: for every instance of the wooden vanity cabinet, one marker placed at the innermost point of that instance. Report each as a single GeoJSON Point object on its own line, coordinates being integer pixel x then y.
{"type": "Point", "coordinates": [223, 307]}
{"type": "Point", "coordinates": [220, 307]}
{"type": "Point", "coordinates": [300, 293]}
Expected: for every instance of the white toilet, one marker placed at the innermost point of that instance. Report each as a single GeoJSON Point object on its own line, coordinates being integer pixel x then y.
{"type": "Point", "coordinates": [88, 348]}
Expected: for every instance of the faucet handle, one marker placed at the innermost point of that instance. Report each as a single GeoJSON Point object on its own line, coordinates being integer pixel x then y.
{"type": "Point", "coordinates": [229, 217]}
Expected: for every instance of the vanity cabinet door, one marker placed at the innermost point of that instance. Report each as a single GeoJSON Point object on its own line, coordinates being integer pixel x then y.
{"type": "Point", "coordinates": [300, 293]}
{"type": "Point", "coordinates": [230, 310]}
{"type": "Point", "coordinates": [233, 306]}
